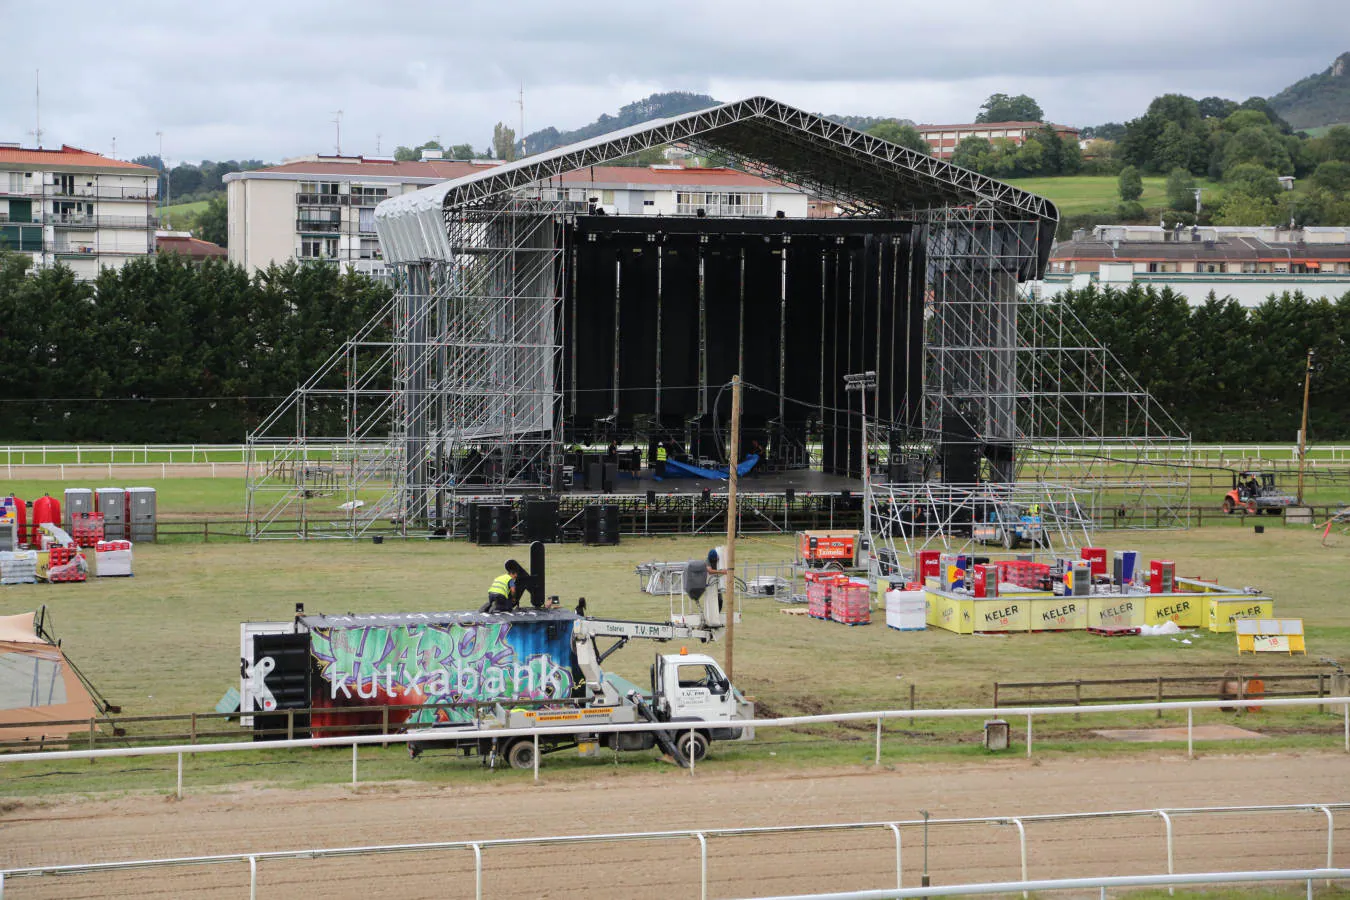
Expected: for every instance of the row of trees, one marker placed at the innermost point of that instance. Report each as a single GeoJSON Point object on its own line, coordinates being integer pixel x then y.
{"type": "Point", "coordinates": [1227, 372]}
{"type": "Point", "coordinates": [163, 350]}
{"type": "Point", "coordinates": [195, 181]}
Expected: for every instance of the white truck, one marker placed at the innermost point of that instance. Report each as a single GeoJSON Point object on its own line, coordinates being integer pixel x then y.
{"type": "Point", "coordinates": [548, 665]}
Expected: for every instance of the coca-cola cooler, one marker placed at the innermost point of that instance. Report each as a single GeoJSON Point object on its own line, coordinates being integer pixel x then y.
{"type": "Point", "coordinates": [141, 514]}
{"type": "Point", "coordinates": [986, 581]}
{"type": "Point", "coordinates": [1162, 575]}
{"type": "Point", "coordinates": [112, 502]}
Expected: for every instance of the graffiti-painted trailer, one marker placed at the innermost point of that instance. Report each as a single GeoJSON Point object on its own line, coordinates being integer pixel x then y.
{"type": "Point", "coordinates": [424, 672]}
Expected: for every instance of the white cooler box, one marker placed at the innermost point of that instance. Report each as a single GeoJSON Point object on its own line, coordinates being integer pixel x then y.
{"type": "Point", "coordinates": [905, 611]}
{"type": "Point", "coordinates": [112, 559]}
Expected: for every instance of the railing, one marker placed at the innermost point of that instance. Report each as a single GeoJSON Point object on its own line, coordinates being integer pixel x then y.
{"type": "Point", "coordinates": [322, 199]}
{"type": "Point", "coordinates": [318, 226]}
{"type": "Point", "coordinates": [739, 210]}
{"type": "Point", "coordinates": [1078, 884]}
{"type": "Point", "coordinates": [1236, 687]}
{"type": "Point", "coordinates": [366, 200]}
{"type": "Point", "coordinates": [85, 221]}
{"type": "Point", "coordinates": [105, 193]}
{"type": "Point", "coordinates": [879, 717]}
{"type": "Point", "coordinates": [30, 219]}
{"type": "Point", "coordinates": [704, 836]}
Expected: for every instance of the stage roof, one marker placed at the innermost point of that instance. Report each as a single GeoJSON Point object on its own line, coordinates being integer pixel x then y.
{"type": "Point", "coordinates": [864, 175]}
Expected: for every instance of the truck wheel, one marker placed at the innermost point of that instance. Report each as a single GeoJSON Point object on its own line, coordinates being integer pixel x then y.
{"type": "Point", "coordinates": [699, 743]}
{"type": "Point", "coordinates": [521, 754]}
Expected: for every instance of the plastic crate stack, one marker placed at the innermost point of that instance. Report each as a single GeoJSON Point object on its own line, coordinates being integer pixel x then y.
{"type": "Point", "coordinates": [66, 564]}
{"type": "Point", "coordinates": [818, 595]}
{"type": "Point", "coordinates": [1022, 573]}
{"type": "Point", "coordinates": [87, 529]}
{"type": "Point", "coordinates": [18, 567]}
{"type": "Point", "coordinates": [850, 603]}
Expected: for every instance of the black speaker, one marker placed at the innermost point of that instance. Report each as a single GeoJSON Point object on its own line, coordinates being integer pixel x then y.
{"type": "Point", "coordinates": [288, 681]}
{"type": "Point", "coordinates": [651, 498]}
{"type": "Point", "coordinates": [541, 521]}
{"type": "Point", "coordinates": [595, 476]}
{"type": "Point", "coordinates": [556, 479]}
{"type": "Point", "coordinates": [494, 525]}
{"type": "Point", "coordinates": [609, 477]}
{"type": "Point", "coordinates": [601, 524]}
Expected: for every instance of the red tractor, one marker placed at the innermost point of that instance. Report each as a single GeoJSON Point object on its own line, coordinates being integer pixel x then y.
{"type": "Point", "coordinates": [1256, 493]}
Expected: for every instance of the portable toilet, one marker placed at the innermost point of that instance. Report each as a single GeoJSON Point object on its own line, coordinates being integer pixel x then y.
{"type": "Point", "coordinates": [141, 514]}
{"type": "Point", "coordinates": [112, 502]}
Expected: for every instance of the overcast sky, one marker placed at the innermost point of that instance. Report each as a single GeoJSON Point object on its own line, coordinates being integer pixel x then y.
{"type": "Point", "coordinates": [262, 80]}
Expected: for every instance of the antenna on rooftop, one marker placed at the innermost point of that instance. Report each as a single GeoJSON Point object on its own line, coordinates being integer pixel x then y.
{"type": "Point", "coordinates": [337, 135]}
{"type": "Point", "coordinates": [521, 103]}
{"type": "Point", "coordinates": [37, 108]}
{"type": "Point", "coordinates": [377, 143]}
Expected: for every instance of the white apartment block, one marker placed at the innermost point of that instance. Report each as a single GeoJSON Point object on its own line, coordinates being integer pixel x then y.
{"type": "Point", "coordinates": [322, 208]}
{"type": "Point", "coordinates": [76, 208]}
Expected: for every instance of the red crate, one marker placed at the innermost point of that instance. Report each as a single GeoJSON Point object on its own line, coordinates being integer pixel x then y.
{"type": "Point", "coordinates": [1022, 573]}
{"type": "Point", "coordinates": [87, 529]}
{"type": "Point", "coordinates": [851, 603]}
{"type": "Point", "coordinates": [66, 564]}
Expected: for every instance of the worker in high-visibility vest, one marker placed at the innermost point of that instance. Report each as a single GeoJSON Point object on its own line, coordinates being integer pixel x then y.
{"type": "Point", "coordinates": [659, 467]}
{"type": "Point", "coordinates": [503, 592]}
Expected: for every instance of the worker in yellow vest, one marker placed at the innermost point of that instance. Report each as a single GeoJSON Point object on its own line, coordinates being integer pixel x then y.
{"type": "Point", "coordinates": [503, 593]}
{"type": "Point", "coordinates": [659, 468]}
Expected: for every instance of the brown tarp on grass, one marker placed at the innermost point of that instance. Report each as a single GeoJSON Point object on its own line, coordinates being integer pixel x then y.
{"type": "Point", "coordinates": [37, 687]}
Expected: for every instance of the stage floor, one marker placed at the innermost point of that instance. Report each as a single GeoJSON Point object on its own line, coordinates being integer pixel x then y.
{"type": "Point", "coordinates": [799, 480]}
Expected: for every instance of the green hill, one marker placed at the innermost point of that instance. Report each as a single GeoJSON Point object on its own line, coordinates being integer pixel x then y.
{"type": "Point", "coordinates": [1318, 100]}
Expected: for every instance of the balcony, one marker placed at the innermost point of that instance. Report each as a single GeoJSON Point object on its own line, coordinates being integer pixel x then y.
{"type": "Point", "coordinates": [367, 200]}
{"type": "Point", "coordinates": [723, 210]}
{"type": "Point", "coordinates": [64, 249]}
{"type": "Point", "coordinates": [318, 226]}
{"type": "Point", "coordinates": [104, 193]}
{"type": "Point", "coordinates": [80, 220]}
{"type": "Point", "coordinates": [322, 199]}
{"type": "Point", "coordinates": [30, 219]}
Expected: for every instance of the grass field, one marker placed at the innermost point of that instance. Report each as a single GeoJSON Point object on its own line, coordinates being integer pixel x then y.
{"type": "Point", "coordinates": [166, 641]}
{"type": "Point", "coordinates": [180, 216]}
{"type": "Point", "coordinates": [1075, 194]}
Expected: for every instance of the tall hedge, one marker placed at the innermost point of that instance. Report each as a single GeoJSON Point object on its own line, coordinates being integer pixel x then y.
{"type": "Point", "coordinates": [163, 351]}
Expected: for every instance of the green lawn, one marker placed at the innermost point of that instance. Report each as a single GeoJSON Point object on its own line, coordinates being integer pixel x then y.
{"type": "Point", "coordinates": [167, 641]}
{"type": "Point", "coordinates": [180, 216]}
{"type": "Point", "coordinates": [1089, 193]}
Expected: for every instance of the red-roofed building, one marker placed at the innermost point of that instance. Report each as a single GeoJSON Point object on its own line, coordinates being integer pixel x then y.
{"type": "Point", "coordinates": [944, 138]}
{"type": "Point", "coordinates": [77, 208]}
{"type": "Point", "coordinates": [322, 208]}
{"type": "Point", "coordinates": [185, 244]}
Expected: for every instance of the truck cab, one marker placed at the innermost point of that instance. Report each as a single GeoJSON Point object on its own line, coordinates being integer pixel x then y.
{"type": "Point", "coordinates": [691, 687]}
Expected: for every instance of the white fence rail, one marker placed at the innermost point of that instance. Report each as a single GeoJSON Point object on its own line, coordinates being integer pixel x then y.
{"type": "Point", "coordinates": [703, 836]}
{"type": "Point", "coordinates": [878, 716]}
{"type": "Point", "coordinates": [1308, 876]}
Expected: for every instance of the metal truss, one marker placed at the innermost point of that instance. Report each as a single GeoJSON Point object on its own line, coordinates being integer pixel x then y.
{"type": "Point", "coordinates": [907, 518]}
{"type": "Point", "coordinates": [454, 390]}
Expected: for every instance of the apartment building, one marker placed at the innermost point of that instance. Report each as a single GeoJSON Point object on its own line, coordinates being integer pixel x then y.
{"type": "Point", "coordinates": [944, 138]}
{"type": "Point", "coordinates": [1247, 263]}
{"type": "Point", "coordinates": [77, 208]}
{"type": "Point", "coordinates": [322, 208]}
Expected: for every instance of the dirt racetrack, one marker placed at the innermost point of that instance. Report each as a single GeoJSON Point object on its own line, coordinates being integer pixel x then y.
{"type": "Point", "coordinates": [250, 819]}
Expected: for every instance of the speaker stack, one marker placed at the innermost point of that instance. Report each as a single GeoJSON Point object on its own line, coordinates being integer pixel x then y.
{"type": "Point", "coordinates": [493, 525]}
{"type": "Point", "coordinates": [541, 521]}
{"type": "Point", "coordinates": [601, 524]}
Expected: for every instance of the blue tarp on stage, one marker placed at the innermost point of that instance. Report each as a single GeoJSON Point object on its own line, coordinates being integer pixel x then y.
{"type": "Point", "coordinates": [676, 469]}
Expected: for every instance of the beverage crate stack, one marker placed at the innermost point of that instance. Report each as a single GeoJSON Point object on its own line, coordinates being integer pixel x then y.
{"type": "Point", "coordinates": [66, 564]}
{"type": "Point", "coordinates": [818, 594]}
{"type": "Point", "coordinates": [18, 567]}
{"type": "Point", "coordinates": [1023, 573]}
{"type": "Point", "coordinates": [112, 559]}
{"type": "Point", "coordinates": [850, 602]}
{"type": "Point", "coordinates": [87, 528]}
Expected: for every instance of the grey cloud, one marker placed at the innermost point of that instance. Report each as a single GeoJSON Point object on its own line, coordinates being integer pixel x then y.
{"type": "Point", "coordinates": [262, 79]}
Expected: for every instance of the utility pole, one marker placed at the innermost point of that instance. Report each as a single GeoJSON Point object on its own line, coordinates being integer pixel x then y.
{"type": "Point", "coordinates": [730, 561]}
{"type": "Point", "coordinates": [1303, 432]}
{"type": "Point", "coordinates": [337, 134]}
